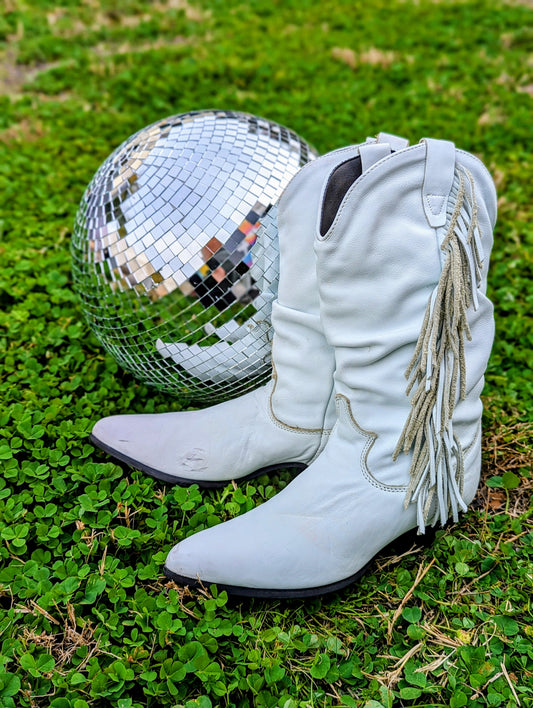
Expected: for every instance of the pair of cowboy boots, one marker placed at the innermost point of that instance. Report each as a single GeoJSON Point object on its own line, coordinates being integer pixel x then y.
{"type": "Point", "coordinates": [382, 332]}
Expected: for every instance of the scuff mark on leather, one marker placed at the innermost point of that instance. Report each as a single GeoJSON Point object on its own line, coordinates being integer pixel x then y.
{"type": "Point", "coordinates": [194, 460]}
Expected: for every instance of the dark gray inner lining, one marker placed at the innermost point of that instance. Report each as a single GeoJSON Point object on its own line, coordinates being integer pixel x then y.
{"type": "Point", "coordinates": [339, 183]}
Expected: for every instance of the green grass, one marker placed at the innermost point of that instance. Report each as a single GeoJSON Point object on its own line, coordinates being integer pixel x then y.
{"type": "Point", "coordinates": [87, 618]}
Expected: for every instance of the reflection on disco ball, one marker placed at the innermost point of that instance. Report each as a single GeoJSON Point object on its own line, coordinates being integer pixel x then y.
{"type": "Point", "coordinates": [175, 250]}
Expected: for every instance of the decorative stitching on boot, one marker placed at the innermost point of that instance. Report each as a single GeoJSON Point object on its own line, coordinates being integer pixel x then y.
{"type": "Point", "coordinates": [479, 163]}
{"type": "Point", "coordinates": [340, 399]}
{"type": "Point", "coordinates": [325, 434]}
{"type": "Point", "coordinates": [435, 202]}
{"type": "Point", "coordinates": [437, 371]}
{"type": "Point", "coordinates": [468, 449]}
{"type": "Point", "coordinates": [280, 423]}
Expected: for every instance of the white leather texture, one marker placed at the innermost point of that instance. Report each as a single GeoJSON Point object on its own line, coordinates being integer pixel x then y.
{"type": "Point", "coordinates": [377, 268]}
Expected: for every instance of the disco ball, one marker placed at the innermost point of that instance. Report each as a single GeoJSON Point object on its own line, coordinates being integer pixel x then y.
{"type": "Point", "coordinates": [175, 252]}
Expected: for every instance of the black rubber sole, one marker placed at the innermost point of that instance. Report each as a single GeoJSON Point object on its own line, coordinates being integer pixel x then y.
{"type": "Point", "coordinates": [183, 481]}
{"type": "Point", "coordinates": [406, 539]}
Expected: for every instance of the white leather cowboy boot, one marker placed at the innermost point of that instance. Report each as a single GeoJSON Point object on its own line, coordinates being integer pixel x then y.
{"type": "Point", "coordinates": [284, 423]}
{"type": "Point", "coordinates": [402, 275]}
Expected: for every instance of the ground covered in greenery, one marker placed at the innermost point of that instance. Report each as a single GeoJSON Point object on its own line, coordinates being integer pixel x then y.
{"type": "Point", "coordinates": [87, 618]}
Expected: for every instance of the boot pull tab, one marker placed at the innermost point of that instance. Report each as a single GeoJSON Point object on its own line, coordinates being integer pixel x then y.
{"type": "Point", "coordinates": [383, 145]}
{"type": "Point", "coordinates": [371, 153]}
{"type": "Point", "coordinates": [395, 141]}
{"type": "Point", "coordinates": [438, 179]}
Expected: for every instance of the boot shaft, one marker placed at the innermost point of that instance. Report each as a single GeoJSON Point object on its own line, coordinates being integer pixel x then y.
{"type": "Point", "coordinates": [402, 278]}
{"type": "Point", "coordinates": [303, 362]}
